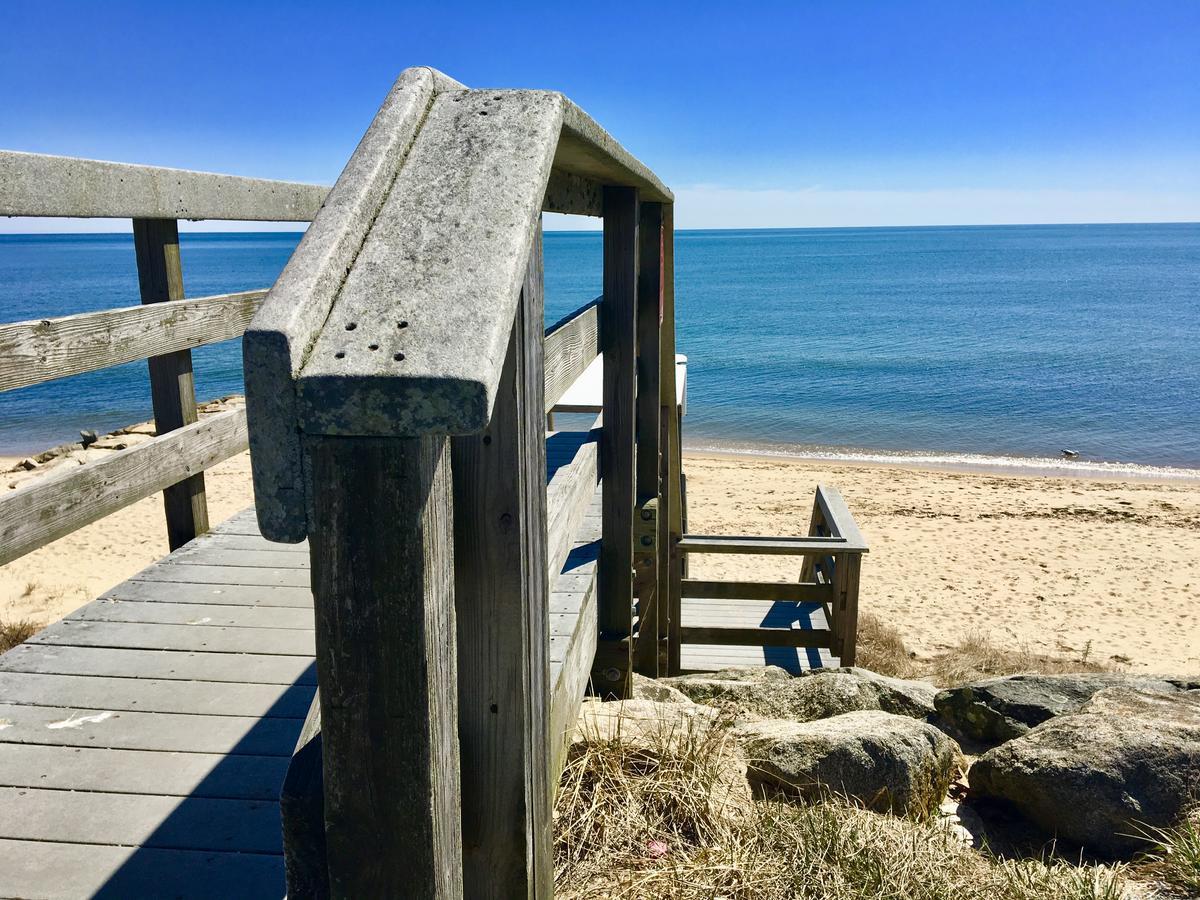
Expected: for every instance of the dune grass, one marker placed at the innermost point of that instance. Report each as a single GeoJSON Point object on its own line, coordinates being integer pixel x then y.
{"type": "Point", "coordinates": [655, 819]}
{"type": "Point", "coordinates": [977, 655]}
{"type": "Point", "coordinates": [1175, 858]}
{"type": "Point", "coordinates": [13, 633]}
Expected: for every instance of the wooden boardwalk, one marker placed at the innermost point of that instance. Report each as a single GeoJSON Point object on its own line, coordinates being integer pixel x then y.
{"type": "Point", "coordinates": [144, 738]}
{"type": "Point", "coordinates": [763, 614]}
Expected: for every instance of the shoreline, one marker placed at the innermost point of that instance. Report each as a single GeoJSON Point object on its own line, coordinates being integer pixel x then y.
{"type": "Point", "coordinates": [967, 463]}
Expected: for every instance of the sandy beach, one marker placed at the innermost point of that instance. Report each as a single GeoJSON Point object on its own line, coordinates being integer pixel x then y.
{"type": "Point", "coordinates": [1061, 565]}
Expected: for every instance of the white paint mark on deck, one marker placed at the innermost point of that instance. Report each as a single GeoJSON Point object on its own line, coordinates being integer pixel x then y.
{"type": "Point", "coordinates": [79, 721]}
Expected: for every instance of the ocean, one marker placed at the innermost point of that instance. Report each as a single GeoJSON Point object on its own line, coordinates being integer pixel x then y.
{"type": "Point", "coordinates": [995, 347]}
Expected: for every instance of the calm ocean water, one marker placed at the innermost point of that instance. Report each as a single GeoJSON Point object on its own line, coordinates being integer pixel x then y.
{"type": "Point", "coordinates": [998, 345]}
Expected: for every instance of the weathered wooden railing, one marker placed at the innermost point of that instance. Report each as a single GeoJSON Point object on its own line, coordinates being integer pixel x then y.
{"type": "Point", "coordinates": [832, 558]}
{"type": "Point", "coordinates": [397, 383]}
{"type": "Point", "coordinates": [162, 330]}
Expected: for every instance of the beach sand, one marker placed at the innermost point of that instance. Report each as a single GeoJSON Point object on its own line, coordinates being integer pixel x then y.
{"type": "Point", "coordinates": [1061, 565]}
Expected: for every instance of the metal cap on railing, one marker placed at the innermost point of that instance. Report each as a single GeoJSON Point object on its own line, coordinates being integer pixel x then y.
{"type": "Point", "coordinates": [393, 315]}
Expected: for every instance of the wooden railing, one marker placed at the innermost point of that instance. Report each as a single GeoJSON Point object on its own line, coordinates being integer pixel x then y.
{"type": "Point", "coordinates": [831, 557]}
{"type": "Point", "coordinates": [398, 380]}
{"type": "Point", "coordinates": [163, 330]}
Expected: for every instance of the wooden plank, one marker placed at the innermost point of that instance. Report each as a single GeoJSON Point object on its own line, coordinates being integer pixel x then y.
{"type": "Point", "coordinates": [57, 871]}
{"type": "Point", "coordinates": [38, 184]}
{"type": "Point", "coordinates": [302, 813]}
{"type": "Point", "coordinates": [219, 538]}
{"type": "Point", "coordinates": [757, 590]}
{"type": "Point", "coordinates": [500, 591]}
{"type": "Point", "coordinates": [838, 517]}
{"type": "Point", "coordinates": [205, 554]}
{"type": "Point", "coordinates": [172, 386]}
{"type": "Point", "coordinates": [296, 597]}
{"type": "Point", "coordinates": [240, 576]}
{"type": "Point", "coordinates": [785, 546]}
{"type": "Point", "coordinates": [124, 730]}
{"type": "Point", "coordinates": [571, 682]}
{"type": "Point", "coordinates": [710, 658]}
{"type": "Point", "coordinates": [193, 823]}
{"type": "Point", "coordinates": [248, 668]}
{"type": "Point", "coordinates": [383, 587]}
{"type": "Point", "coordinates": [618, 337]}
{"type": "Point", "coordinates": [212, 698]}
{"type": "Point", "coordinates": [846, 578]}
{"type": "Point", "coordinates": [754, 636]}
{"type": "Point", "coordinates": [48, 508]}
{"type": "Point", "coordinates": [190, 774]}
{"type": "Point", "coordinates": [572, 195]}
{"type": "Point", "coordinates": [571, 344]}
{"type": "Point", "coordinates": [568, 497]}
{"type": "Point", "coordinates": [197, 614]}
{"type": "Point", "coordinates": [199, 638]}
{"type": "Point", "coordinates": [646, 427]}
{"type": "Point", "coordinates": [46, 349]}
{"type": "Point", "coordinates": [671, 525]}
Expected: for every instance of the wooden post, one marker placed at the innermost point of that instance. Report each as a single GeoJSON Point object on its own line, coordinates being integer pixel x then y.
{"type": "Point", "coordinates": [649, 373]}
{"type": "Point", "coordinates": [502, 602]}
{"type": "Point", "coordinates": [172, 389]}
{"type": "Point", "coordinates": [671, 520]}
{"type": "Point", "coordinates": [380, 535]}
{"type": "Point", "coordinates": [846, 569]}
{"type": "Point", "coordinates": [615, 594]}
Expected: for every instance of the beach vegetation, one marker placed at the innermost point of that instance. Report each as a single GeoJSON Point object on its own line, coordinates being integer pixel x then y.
{"type": "Point", "coordinates": [14, 633]}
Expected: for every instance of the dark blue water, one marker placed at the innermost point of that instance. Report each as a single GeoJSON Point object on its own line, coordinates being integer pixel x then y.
{"type": "Point", "coordinates": [936, 344]}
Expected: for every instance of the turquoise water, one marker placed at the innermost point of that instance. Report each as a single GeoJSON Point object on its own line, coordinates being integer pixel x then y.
{"type": "Point", "coordinates": [952, 345]}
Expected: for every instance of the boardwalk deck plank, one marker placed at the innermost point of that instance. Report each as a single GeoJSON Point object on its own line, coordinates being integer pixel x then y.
{"type": "Point", "coordinates": [195, 614]}
{"type": "Point", "coordinates": [223, 594]}
{"type": "Point", "coordinates": [204, 638]}
{"type": "Point", "coordinates": [248, 668]}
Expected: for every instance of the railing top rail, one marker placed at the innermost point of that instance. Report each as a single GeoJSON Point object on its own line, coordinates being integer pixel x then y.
{"type": "Point", "coordinates": [837, 516]}
{"type": "Point", "coordinates": [37, 184]}
{"type": "Point", "coordinates": [393, 315]}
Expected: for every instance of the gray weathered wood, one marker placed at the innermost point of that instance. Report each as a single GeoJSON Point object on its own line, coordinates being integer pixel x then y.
{"type": "Point", "coordinates": [571, 344]}
{"type": "Point", "coordinates": [132, 635]}
{"type": "Point", "coordinates": [757, 590]}
{"type": "Point", "coordinates": [233, 576]}
{"type": "Point", "coordinates": [837, 516]}
{"type": "Point", "coordinates": [572, 195]}
{"type": "Point", "coordinates": [501, 596]}
{"type": "Point", "coordinates": [212, 698]}
{"type": "Point", "coordinates": [250, 668]}
{"type": "Point", "coordinates": [297, 306]}
{"type": "Point", "coordinates": [166, 774]}
{"type": "Point", "coordinates": [568, 497]}
{"type": "Point", "coordinates": [83, 727]}
{"type": "Point", "coordinates": [139, 819]}
{"type": "Point", "coordinates": [150, 591]}
{"type": "Point", "coordinates": [302, 813]}
{"type": "Point", "coordinates": [45, 349]}
{"type": "Point", "coordinates": [54, 870]}
{"type": "Point", "coordinates": [383, 587]}
{"type": "Point", "coordinates": [217, 555]}
{"type": "Point", "coordinates": [48, 508]}
{"type": "Point", "coordinates": [786, 546]}
{"type": "Point", "coordinates": [755, 636]}
{"type": "Point", "coordinates": [615, 597]}
{"type": "Point", "coordinates": [172, 386]}
{"type": "Point", "coordinates": [37, 184]}
{"type": "Point", "coordinates": [194, 614]}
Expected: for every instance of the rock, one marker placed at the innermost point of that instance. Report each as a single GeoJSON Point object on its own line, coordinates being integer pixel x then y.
{"type": "Point", "coordinates": [1099, 777]}
{"type": "Point", "coordinates": [28, 464]}
{"type": "Point", "coordinates": [88, 437]}
{"type": "Point", "coordinates": [641, 721]}
{"type": "Point", "coordinates": [825, 693]}
{"type": "Point", "coordinates": [887, 762]}
{"type": "Point", "coordinates": [650, 689]}
{"type": "Point", "coordinates": [661, 730]}
{"type": "Point", "coordinates": [999, 709]}
{"type": "Point", "coordinates": [962, 823]}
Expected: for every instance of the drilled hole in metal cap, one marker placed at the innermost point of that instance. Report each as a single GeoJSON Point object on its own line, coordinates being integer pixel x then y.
{"type": "Point", "coordinates": [350, 326]}
{"type": "Point", "coordinates": [397, 356]}
{"type": "Point", "coordinates": [403, 323]}
{"type": "Point", "coordinates": [341, 354]}
{"type": "Point", "coordinates": [372, 346]}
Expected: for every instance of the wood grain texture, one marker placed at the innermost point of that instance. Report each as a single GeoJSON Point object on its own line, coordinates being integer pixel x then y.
{"type": "Point", "coordinates": [792, 592]}
{"type": "Point", "coordinates": [500, 607]}
{"type": "Point", "coordinates": [172, 386]}
{"type": "Point", "coordinates": [302, 814]}
{"type": "Point", "coordinates": [618, 336]}
{"type": "Point", "coordinates": [383, 588]}
{"type": "Point", "coordinates": [671, 525]}
{"type": "Point", "coordinates": [46, 509]}
{"type": "Point", "coordinates": [570, 345]}
{"type": "Point", "coordinates": [45, 349]}
{"type": "Point", "coordinates": [572, 195]}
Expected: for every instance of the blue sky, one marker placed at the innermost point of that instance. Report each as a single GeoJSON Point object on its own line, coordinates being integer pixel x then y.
{"type": "Point", "coordinates": [802, 114]}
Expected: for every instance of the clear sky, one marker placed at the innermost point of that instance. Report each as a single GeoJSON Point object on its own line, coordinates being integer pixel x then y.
{"type": "Point", "coordinates": [756, 114]}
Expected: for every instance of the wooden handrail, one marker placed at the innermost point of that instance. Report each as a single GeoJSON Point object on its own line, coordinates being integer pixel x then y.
{"type": "Point", "coordinates": [48, 508]}
{"type": "Point", "coordinates": [38, 184]}
{"type": "Point", "coordinates": [42, 350]}
{"type": "Point", "coordinates": [819, 545]}
{"type": "Point", "coordinates": [571, 344]}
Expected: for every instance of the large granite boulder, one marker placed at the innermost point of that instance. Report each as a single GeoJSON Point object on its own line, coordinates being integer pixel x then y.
{"type": "Point", "coordinates": [999, 709]}
{"type": "Point", "coordinates": [1127, 761]}
{"type": "Point", "coordinates": [648, 722]}
{"type": "Point", "coordinates": [819, 695]}
{"type": "Point", "coordinates": [654, 689]}
{"type": "Point", "coordinates": [886, 762]}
